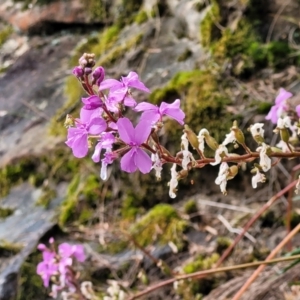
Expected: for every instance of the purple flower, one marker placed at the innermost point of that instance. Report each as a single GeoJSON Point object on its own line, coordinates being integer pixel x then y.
{"type": "Point", "coordinates": [119, 89]}
{"type": "Point", "coordinates": [98, 75]}
{"type": "Point", "coordinates": [92, 102]}
{"type": "Point", "coordinates": [66, 251]}
{"type": "Point", "coordinates": [153, 113]}
{"type": "Point", "coordinates": [135, 158]}
{"type": "Point", "coordinates": [280, 106]}
{"type": "Point", "coordinates": [78, 136]}
{"type": "Point", "coordinates": [298, 110]}
{"type": "Point", "coordinates": [108, 159]}
{"type": "Point", "coordinates": [48, 267]}
{"type": "Point", "coordinates": [106, 141]}
{"type": "Point", "coordinates": [78, 72]}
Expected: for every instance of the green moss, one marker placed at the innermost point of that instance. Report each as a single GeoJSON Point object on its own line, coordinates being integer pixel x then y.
{"type": "Point", "coordinates": [30, 283]}
{"type": "Point", "coordinates": [118, 51]}
{"type": "Point", "coordinates": [68, 207]}
{"type": "Point", "coordinates": [56, 166]}
{"type": "Point", "coordinates": [8, 249]}
{"type": "Point", "coordinates": [16, 173]}
{"type": "Point", "coordinates": [98, 10]}
{"type": "Point", "coordinates": [243, 46]}
{"type": "Point", "coordinates": [207, 26]}
{"type": "Point", "coordinates": [81, 200]}
{"type": "Point", "coordinates": [263, 107]}
{"type": "Point", "coordinates": [161, 224]}
{"type": "Point", "coordinates": [6, 212]}
{"type": "Point", "coordinates": [47, 196]}
{"type": "Point", "coordinates": [203, 101]}
{"type": "Point", "coordinates": [195, 289]}
{"type": "Point", "coordinates": [201, 263]}
{"type": "Point", "coordinates": [106, 40]}
{"type": "Point", "coordinates": [4, 34]}
{"type": "Point", "coordinates": [190, 207]}
{"type": "Point", "coordinates": [141, 17]}
{"type": "Point", "coordinates": [127, 10]}
{"type": "Point", "coordinates": [73, 93]}
{"type": "Point", "coordinates": [131, 206]}
{"type": "Point", "coordinates": [223, 243]}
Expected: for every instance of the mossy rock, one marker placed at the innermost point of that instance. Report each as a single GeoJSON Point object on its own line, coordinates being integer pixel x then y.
{"type": "Point", "coordinates": [242, 47]}
{"type": "Point", "coordinates": [190, 207]}
{"type": "Point", "coordinates": [48, 194]}
{"type": "Point", "coordinates": [203, 101]}
{"type": "Point", "coordinates": [56, 166]}
{"type": "Point", "coordinates": [9, 249]}
{"type": "Point", "coordinates": [6, 212]}
{"type": "Point", "coordinates": [161, 224]}
{"type": "Point", "coordinates": [15, 173]}
{"type": "Point", "coordinates": [83, 196]}
{"type": "Point", "coordinates": [30, 283]}
{"type": "Point", "coordinates": [195, 289]}
{"type": "Point", "coordinates": [208, 28]}
{"type": "Point", "coordinates": [141, 17]}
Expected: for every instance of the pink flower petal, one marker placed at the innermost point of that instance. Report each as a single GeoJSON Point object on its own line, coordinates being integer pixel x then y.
{"type": "Point", "coordinates": [142, 131]}
{"type": "Point", "coordinates": [80, 146]}
{"type": "Point", "coordinates": [173, 110]}
{"type": "Point", "coordinates": [126, 130]}
{"type": "Point", "coordinates": [142, 161]}
{"type": "Point", "coordinates": [97, 126]}
{"type": "Point", "coordinates": [110, 83]}
{"type": "Point", "coordinates": [282, 96]}
{"type": "Point", "coordinates": [127, 161]}
{"type": "Point", "coordinates": [146, 106]}
{"type": "Point", "coordinates": [298, 110]}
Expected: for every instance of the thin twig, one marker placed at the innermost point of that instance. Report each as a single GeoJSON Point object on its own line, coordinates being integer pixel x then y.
{"type": "Point", "coordinates": [262, 266]}
{"type": "Point", "coordinates": [209, 272]}
{"type": "Point", "coordinates": [253, 220]}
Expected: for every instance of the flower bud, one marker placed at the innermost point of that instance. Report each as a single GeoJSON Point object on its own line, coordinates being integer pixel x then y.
{"type": "Point", "coordinates": [191, 136]}
{"type": "Point", "coordinates": [211, 142]}
{"type": "Point", "coordinates": [232, 171]}
{"type": "Point", "coordinates": [182, 174]}
{"type": "Point", "coordinates": [88, 71]}
{"type": "Point", "coordinates": [239, 136]}
{"type": "Point", "coordinates": [285, 135]}
{"type": "Point", "coordinates": [78, 72]}
{"type": "Point", "coordinates": [98, 75]}
{"type": "Point", "coordinates": [87, 60]}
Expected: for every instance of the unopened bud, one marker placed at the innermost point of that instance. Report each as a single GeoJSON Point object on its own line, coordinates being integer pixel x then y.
{"type": "Point", "coordinates": [211, 142]}
{"type": "Point", "coordinates": [232, 171]}
{"type": "Point", "coordinates": [87, 60]}
{"type": "Point", "coordinates": [182, 174]}
{"type": "Point", "coordinates": [88, 71]}
{"type": "Point", "coordinates": [239, 136]}
{"type": "Point", "coordinates": [78, 72]}
{"type": "Point", "coordinates": [285, 135]}
{"type": "Point", "coordinates": [98, 75]}
{"type": "Point", "coordinates": [191, 136]}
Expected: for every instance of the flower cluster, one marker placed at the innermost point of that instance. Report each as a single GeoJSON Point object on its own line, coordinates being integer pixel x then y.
{"type": "Point", "coordinates": [101, 122]}
{"type": "Point", "coordinates": [57, 267]}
